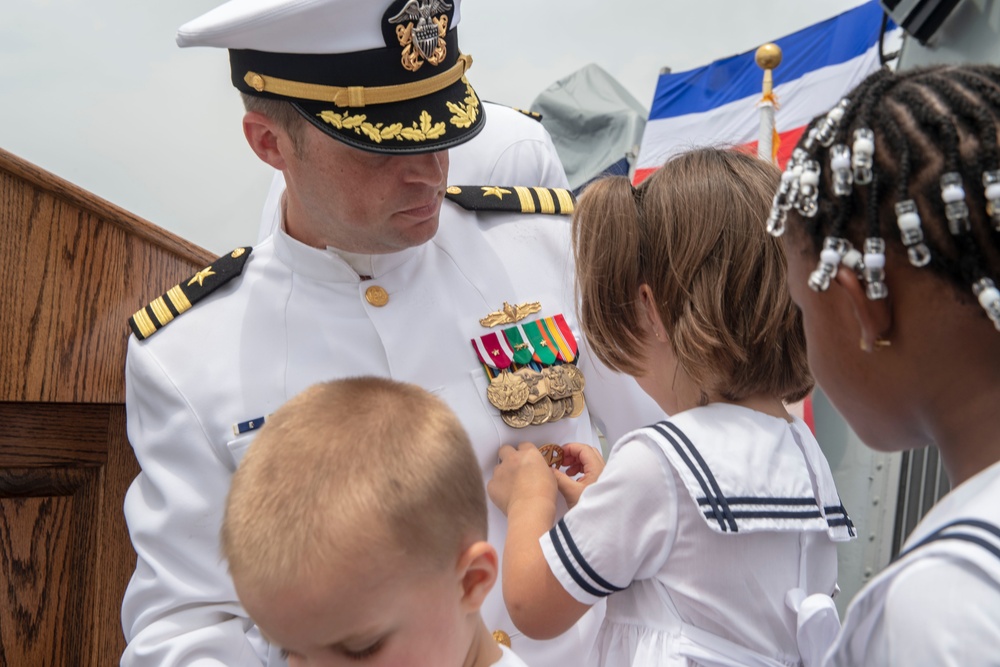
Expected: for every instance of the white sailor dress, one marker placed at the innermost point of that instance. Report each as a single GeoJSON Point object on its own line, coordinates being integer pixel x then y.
{"type": "Point", "coordinates": [938, 602]}
{"type": "Point", "coordinates": [712, 536]}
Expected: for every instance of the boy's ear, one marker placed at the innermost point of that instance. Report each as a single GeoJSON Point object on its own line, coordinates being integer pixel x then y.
{"type": "Point", "coordinates": [874, 318]}
{"type": "Point", "coordinates": [266, 138]}
{"type": "Point", "coordinates": [477, 569]}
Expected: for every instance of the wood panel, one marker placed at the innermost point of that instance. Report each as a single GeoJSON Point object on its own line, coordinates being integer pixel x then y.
{"type": "Point", "coordinates": [65, 557]}
{"type": "Point", "coordinates": [74, 268]}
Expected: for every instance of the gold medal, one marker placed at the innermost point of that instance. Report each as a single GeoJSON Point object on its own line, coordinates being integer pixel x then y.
{"type": "Point", "coordinates": [558, 384]}
{"type": "Point", "coordinates": [560, 407]}
{"type": "Point", "coordinates": [574, 377]}
{"type": "Point", "coordinates": [578, 405]}
{"type": "Point", "coordinates": [542, 410]}
{"type": "Point", "coordinates": [520, 417]}
{"type": "Point", "coordinates": [538, 386]}
{"type": "Point", "coordinates": [507, 391]}
{"type": "Point", "coordinates": [553, 455]}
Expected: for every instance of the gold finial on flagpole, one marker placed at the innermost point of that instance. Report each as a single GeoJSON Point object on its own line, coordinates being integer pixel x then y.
{"type": "Point", "coordinates": [768, 57]}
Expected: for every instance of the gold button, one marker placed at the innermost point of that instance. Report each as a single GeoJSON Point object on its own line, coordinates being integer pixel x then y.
{"type": "Point", "coordinates": [501, 637]}
{"type": "Point", "coordinates": [454, 190]}
{"type": "Point", "coordinates": [257, 82]}
{"type": "Point", "coordinates": [376, 296]}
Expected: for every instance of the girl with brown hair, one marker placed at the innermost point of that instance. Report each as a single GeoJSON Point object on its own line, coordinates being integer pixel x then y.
{"type": "Point", "coordinates": [711, 534]}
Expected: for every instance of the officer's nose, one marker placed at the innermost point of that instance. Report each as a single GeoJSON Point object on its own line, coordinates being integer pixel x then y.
{"type": "Point", "coordinates": [425, 168]}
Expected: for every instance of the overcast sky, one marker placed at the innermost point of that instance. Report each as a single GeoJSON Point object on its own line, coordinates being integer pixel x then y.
{"type": "Point", "coordinates": [97, 92]}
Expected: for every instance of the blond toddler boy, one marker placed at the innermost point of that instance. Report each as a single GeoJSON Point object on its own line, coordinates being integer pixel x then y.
{"type": "Point", "coordinates": [355, 530]}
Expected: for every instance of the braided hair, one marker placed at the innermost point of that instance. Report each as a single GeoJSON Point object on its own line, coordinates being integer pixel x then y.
{"type": "Point", "coordinates": [922, 181]}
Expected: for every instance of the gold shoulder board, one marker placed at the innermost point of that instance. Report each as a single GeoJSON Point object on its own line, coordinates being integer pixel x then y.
{"type": "Point", "coordinates": [530, 114]}
{"type": "Point", "coordinates": [512, 198]}
{"type": "Point", "coordinates": [182, 296]}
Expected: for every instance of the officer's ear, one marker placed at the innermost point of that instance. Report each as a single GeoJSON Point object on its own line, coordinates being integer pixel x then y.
{"type": "Point", "coordinates": [267, 139]}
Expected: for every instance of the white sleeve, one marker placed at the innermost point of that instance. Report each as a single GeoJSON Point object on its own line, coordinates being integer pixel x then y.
{"type": "Point", "coordinates": [180, 607]}
{"type": "Point", "coordinates": [940, 612]}
{"type": "Point", "coordinates": [621, 530]}
{"type": "Point", "coordinates": [530, 161]}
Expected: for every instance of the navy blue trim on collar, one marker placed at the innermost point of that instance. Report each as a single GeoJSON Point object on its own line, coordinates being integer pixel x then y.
{"type": "Point", "coordinates": [720, 506]}
{"type": "Point", "coordinates": [942, 534]}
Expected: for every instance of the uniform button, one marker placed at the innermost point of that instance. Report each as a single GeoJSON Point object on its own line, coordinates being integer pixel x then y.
{"type": "Point", "coordinates": [376, 296]}
{"type": "Point", "coordinates": [501, 637]}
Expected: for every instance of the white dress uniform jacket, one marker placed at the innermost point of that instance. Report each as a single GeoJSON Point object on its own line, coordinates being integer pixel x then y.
{"type": "Point", "coordinates": [299, 315]}
{"type": "Point", "coordinates": [939, 602]}
{"type": "Point", "coordinates": [712, 536]}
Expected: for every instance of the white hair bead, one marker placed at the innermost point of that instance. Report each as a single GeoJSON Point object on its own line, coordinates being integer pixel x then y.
{"type": "Point", "coordinates": [989, 298]}
{"type": "Point", "coordinates": [874, 273]}
{"type": "Point", "coordinates": [831, 123]}
{"type": "Point", "coordinates": [874, 260]}
{"type": "Point", "coordinates": [853, 260]}
{"type": "Point", "coordinates": [952, 193]}
{"type": "Point", "coordinates": [840, 163]}
{"type": "Point", "coordinates": [829, 256]}
{"type": "Point", "coordinates": [908, 221]}
{"type": "Point", "coordinates": [955, 208]}
{"type": "Point", "coordinates": [833, 249]}
{"type": "Point", "coordinates": [863, 150]}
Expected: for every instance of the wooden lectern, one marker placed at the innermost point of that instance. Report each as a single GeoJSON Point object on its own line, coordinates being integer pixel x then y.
{"type": "Point", "coordinates": [73, 269]}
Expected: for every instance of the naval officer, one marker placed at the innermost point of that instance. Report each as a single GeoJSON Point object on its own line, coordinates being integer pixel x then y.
{"type": "Point", "coordinates": [372, 272]}
{"type": "Point", "coordinates": [513, 148]}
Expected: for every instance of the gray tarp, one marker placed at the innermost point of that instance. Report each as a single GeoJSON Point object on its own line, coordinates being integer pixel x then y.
{"type": "Point", "coordinates": [593, 120]}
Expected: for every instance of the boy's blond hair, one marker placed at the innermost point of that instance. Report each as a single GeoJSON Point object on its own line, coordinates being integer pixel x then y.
{"type": "Point", "coordinates": [347, 472]}
{"type": "Point", "coordinates": [694, 231]}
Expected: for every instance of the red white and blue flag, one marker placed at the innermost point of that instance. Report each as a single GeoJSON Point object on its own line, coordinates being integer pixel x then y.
{"type": "Point", "coordinates": [716, 105]}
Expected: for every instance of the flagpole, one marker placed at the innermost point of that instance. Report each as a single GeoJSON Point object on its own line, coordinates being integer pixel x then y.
{"type": "Point", "coordinates": [768, 57]}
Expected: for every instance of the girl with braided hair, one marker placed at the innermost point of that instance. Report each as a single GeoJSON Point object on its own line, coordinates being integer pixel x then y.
{"type": "Point", "coordinates": [892, 209]}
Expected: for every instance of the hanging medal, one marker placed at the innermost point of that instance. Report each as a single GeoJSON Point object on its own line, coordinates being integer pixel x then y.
{"type": "Point", "coordinates": [506, 391]}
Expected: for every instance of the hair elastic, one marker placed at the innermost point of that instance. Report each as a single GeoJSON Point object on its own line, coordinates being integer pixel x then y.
{"type": "Point", "coordinates": [908, 221]}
